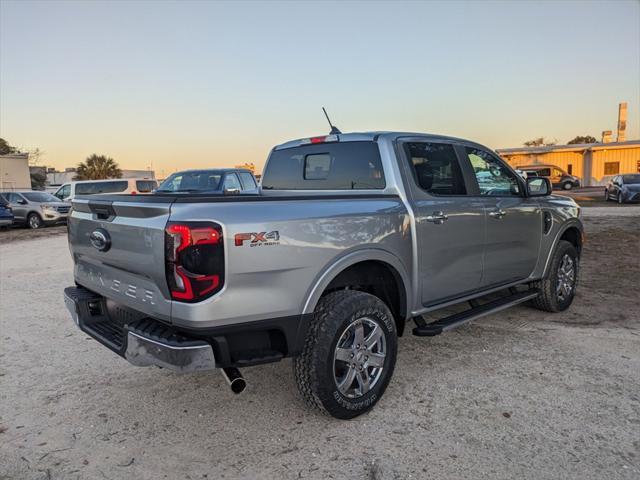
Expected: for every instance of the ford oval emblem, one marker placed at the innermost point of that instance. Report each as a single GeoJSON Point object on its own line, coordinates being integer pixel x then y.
{"type": "Point", "coordinates": [100, 240]}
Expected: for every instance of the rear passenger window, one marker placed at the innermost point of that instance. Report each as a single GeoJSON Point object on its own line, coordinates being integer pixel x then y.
{"type": "Point", "coordinates": [327, 166]}
{"type": "Point", "coordinates": [247, 181]}
{"type": "Point", "coordinates": [436, 168]}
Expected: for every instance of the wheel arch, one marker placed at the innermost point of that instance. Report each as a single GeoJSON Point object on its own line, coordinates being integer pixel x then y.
{"type": "Point", "coordinates": [571, 232]}
{"type": "Point", "coordinates": [31, 212]}
{"type": "Point", "coordinates": [376, 271]}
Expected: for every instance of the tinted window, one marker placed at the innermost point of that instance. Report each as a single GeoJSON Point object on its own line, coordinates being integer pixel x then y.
{"type": "Point", "coordinates": [248, 183]}
{"type": "Point", "coordinates": [101, 187]}
{"type": "Point", "coordinates": [544, 172]}
{"type": "Point", "coordinates": [231, 182]}
{"type": "Point", "coordinates": [328, 166]}
{"type": "Point", "coordinates": [40, 197]}
{"type": "Point", "coordinates": [145, 186]}
{"type": "Point", "coordinates": [629, 179]}
{"type": "Point", "coordinates": [494, 179]}
{"type": "Point", "coordinates": [436, 168]}
{"type": "Point", "coordinates": [192, 181]}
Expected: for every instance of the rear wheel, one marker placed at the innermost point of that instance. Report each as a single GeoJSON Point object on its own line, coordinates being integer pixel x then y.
{"type": "Point", "coordinates": [34, 221]}
{"type": "Point", "coordinates": [349, 354]}
{"type": "Point", "coordinates": [567, 186]}
{"type": "Point", "coordinates": [558, 288]}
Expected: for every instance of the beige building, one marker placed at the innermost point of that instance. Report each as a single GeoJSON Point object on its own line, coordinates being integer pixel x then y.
{"type": "Point", "coordinates": [14, 172]}
{"type": "Point", "coordinates": [593, 163]}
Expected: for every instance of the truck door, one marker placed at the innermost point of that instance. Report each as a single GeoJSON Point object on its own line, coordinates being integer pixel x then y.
{"type": "Point", "coordinates": [514, 222]}
{"type": "Point", "coordinates": [450, 225]}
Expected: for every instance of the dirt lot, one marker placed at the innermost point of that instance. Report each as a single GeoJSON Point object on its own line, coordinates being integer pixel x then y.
{"type": "Point", "coordinates": [520, 394]}
{"type": "Point", "coordinates": [20, 233]}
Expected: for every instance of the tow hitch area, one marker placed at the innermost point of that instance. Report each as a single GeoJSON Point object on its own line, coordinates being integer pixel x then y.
{"type": "Point", "coordinates": [144, 341]}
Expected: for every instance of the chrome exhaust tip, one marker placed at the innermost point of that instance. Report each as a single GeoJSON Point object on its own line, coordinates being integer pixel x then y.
{"type": "Point", "coordinates": [235, 379]}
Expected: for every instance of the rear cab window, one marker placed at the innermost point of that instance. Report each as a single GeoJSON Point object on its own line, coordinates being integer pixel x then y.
{"type": "Point", "coordinates": [327, 166]}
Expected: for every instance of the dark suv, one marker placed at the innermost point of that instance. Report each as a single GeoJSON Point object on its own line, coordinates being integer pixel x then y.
{"type": "Point", "coordinates": [558, 177]}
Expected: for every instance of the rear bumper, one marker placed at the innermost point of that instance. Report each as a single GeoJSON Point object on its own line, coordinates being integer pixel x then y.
{"type": "Point", "coordinates": [141, 341]}
{"type": "Point", "coordinates": [145, 341]}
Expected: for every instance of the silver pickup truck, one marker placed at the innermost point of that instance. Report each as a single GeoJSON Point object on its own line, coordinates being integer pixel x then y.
{"type": "Point", "coordinates": [351, 237]}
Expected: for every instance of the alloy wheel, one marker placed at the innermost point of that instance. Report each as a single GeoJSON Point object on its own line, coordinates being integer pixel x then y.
{"type": "Point", "coordinates": [566, 278]}
{"type": "Point", "coordinates": [359, 356]}
{"type": "Point", "coordinates": [34, 221]}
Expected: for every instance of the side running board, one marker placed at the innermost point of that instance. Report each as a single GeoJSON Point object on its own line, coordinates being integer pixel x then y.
{"type": "Point", "coordinates": [457, 319]}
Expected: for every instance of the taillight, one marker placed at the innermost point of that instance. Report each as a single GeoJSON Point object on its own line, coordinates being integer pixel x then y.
{"type": "Point", "coordinates": [194, 260]}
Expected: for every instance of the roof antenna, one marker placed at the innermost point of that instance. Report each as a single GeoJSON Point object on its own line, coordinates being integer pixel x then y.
{"type": "Point", "coordinates": [334, 130]}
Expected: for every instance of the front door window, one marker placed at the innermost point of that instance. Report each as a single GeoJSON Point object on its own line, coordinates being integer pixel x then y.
{"type": "Point", "coordinates": [494, 179]}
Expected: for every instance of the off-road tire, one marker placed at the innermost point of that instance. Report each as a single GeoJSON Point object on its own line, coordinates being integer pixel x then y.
{"type": "Point", "coordinates": [548, 299]}
{"type": "Point", "coordinates": [34, 221]}
{"type": "Point", "coordinates": [314, 368]}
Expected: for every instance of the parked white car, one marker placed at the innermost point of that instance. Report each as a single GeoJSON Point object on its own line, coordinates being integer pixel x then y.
{"type": "Point", "coordinates": [69, 191]}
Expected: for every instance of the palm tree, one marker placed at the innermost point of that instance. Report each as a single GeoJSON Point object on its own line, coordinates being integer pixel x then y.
{"type": "Point", "coordinates": [98, 167]}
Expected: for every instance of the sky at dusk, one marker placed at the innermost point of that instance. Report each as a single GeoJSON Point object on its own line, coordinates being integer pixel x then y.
{"type": "Point", "coordinates": [177, 85]}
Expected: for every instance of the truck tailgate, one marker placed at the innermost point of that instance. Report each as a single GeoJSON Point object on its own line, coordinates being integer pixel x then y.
{"type": "Point", "coordinates": [118, 249]}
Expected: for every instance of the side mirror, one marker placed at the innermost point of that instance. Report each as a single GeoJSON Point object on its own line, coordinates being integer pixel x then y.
{"type": "Point", "coordinates": [231, 191]}
{"type": "Point", "coordinates": [538, 186]}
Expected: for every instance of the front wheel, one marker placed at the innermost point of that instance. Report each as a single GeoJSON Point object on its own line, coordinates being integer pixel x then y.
{"type": "Point", "coordinates": [558, 288]}
{"type": "Point", "coordinates": [34, 221]}
{"type": "Point", "coordinates": [620, 199]}
{"type": "Point", "coordinates": [349, 354]}
{"type": "Point", "coordinates": [606, 195]}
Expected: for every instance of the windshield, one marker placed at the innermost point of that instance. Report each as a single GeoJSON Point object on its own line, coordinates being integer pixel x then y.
{"type": "Point", "coordinates": [40, 197]}
{"type": "Point", "coordinates": [196, 181]}
{"type": "Point", "coordinates": [630, 179]}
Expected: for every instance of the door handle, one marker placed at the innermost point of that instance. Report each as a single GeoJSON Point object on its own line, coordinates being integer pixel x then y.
{"type": "Point", "coordinates": [499, 213]}
{"type": "Point", "coordinates": [437, 217]}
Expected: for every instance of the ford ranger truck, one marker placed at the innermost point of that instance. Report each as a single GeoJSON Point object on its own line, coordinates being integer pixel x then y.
{"type": "Point", "coordinates": [351, 237]}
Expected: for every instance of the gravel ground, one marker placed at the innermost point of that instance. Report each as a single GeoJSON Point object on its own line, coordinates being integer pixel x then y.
{"type": "Point", "coordinates": [520, 394]}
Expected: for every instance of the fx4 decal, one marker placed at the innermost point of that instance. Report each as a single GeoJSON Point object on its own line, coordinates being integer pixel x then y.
{"type": "Point", "coordinates": [257, 239]}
